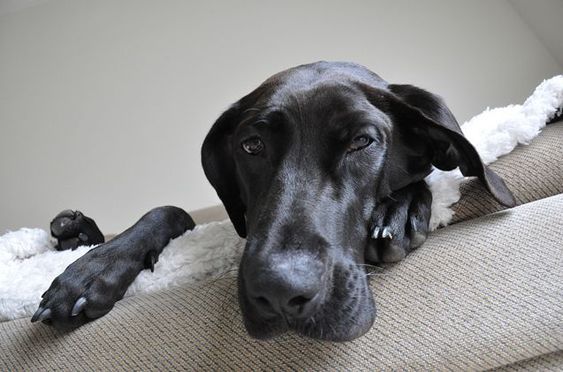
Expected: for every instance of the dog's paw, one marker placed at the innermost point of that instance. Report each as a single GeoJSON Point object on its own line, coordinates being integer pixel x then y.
{"type": "Point", "coordinates": [73, 229]}
{"type": "Point", "coordinates": [400, 224]}
{"type": "Point", "coordinates": [88, 288]}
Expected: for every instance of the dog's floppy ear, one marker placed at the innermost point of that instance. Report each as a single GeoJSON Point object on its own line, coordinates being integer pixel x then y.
{"type": "Point", "coordinates": [429, 114]}
{"type": "Point", "coordinates": [219, 167]}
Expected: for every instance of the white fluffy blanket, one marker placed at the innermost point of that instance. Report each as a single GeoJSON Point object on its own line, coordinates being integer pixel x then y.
{"type": "Point", "coordinates": [29, 262]}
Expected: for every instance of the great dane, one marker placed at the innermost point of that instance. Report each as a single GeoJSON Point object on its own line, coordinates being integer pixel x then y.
{"type": "Point", "coordinates": [321, 168]}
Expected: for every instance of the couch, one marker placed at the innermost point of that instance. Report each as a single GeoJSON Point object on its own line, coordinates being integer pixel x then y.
{"type": "Point", "coordinates": [485, 292]}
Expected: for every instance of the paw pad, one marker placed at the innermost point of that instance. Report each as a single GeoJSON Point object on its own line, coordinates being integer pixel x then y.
{"type": "Point", "coordinates": [73, 229]}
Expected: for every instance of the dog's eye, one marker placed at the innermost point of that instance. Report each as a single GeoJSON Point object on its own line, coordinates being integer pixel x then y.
{"type": "Point", "coordinates": [359, 143]}
{"type": "Point", "coordinates": [252, 145]}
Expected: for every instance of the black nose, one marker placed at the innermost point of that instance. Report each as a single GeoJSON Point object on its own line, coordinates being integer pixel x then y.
{"type": "Point", "coordinates": [289, 286]}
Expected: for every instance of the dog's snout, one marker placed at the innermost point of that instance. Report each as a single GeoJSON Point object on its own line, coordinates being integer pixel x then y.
{"type": "Point", "coordinates": [288, 286]}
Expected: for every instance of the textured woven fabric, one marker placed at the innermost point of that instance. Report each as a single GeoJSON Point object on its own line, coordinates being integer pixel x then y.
{"type": "Point", "coordinates": [532, 172]}
{"type": "Point", "coordinates": [479, 294]}
{"type": "Point", "coordinates": [546, 362]}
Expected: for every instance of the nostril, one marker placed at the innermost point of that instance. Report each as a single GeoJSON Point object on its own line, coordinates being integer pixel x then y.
{"type": "Point", "coordinates": [298, 301]}
{"type": "Point", "coordinates": [263, 301]}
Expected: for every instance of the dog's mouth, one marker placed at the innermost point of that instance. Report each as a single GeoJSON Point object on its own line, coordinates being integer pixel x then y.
{"type": "Point", "coordinates": [346, 312]}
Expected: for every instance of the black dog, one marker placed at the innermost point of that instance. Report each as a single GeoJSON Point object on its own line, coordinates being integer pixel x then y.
{"type": "Point", "coordinates": [321, 168]}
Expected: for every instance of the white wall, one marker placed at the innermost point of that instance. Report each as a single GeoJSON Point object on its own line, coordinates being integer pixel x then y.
{"type": "Point", "coordinates": [104, 104]}
{"type": "Point", "coordinates": [546, 21]}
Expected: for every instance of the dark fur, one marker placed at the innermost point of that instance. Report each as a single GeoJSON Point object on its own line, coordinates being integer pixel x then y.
{"type": "Point", "coordinates": [311, 209]}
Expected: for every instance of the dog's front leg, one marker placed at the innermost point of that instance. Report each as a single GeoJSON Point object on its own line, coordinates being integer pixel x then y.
{"type": "Point", "coordinates": [400, 223]}
{"type": "Point", "coordinates": [90, 286]}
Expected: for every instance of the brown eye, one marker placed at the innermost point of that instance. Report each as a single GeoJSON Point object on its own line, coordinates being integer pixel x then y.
{"type": "Point", "coordinates": [252, 145]}
{"type": "Point", "coordinates": [359, 143]}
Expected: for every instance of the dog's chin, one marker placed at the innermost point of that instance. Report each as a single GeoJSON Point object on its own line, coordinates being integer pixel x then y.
{"type": "Point", "coordinates": [344, 317]}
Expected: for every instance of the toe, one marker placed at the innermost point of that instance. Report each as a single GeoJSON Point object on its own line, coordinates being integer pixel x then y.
{"type": "Point", "coordinates": [393, 253]}
{"type": "Point", "coordinates": [371, 253]}
{"type": "Point", "coordinates": [417, 239]}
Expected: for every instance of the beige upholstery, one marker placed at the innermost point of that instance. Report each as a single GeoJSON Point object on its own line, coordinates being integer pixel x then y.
{"type": "Point", "coordinates": [546, 362]}
{"type": "Point", "coordinates": [483, 293]}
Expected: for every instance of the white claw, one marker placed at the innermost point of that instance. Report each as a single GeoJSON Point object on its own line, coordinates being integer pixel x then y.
{"type": "Point", "coordinates": [79, 306]}
{"type": "Point", "coordinates": [375, 233]}
{"type": "Point", "coordinates": [386, 234]}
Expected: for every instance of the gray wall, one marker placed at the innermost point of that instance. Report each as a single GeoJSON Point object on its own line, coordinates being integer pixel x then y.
{"type": "Point", "coordinates": [104, 104]}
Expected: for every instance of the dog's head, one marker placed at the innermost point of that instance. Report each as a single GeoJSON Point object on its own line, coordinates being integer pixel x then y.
{"type": "Point", "coordinates": [300, 163]}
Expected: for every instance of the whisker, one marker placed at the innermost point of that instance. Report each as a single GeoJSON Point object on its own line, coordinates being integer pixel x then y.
{"type": "Point", "coordinates": [221, 276]}
{"type": "Point", "coordinates": [371, 266]}
{"type": "Point", "coordinates": [224, 273]}
{"type": "Point", "coordinates": [377, 274]}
